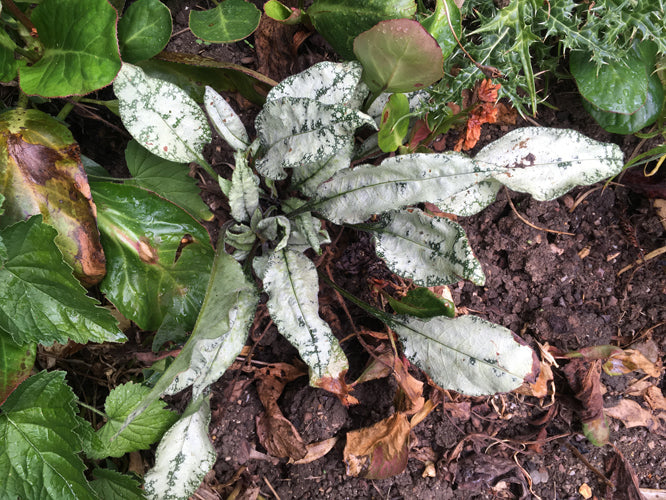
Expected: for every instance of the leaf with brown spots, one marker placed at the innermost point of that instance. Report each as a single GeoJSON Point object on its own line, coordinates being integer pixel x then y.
{"type": "Point", "coordinates": [41, 173]}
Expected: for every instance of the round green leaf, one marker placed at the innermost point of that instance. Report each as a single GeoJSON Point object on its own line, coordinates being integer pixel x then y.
{"type": "Point", "coordinates": [144, 30]}
{"type": "Point", "coordinates": [398, 55]}
{"type": "Point", "coordinates": [230, 21]}
{"type": "Point", "coordinates": [80, 48]}
{"type": "Point", "coordinates": [340, 21]}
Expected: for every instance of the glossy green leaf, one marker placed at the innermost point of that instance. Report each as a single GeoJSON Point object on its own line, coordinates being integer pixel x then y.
{"type": "Point", "coordinates": [144, 30]}
{"type": "Point", "coordinates": [80, 48]}
{"type": "Point", "coordinates": [166, 178]}
{"type": "Point", "coordinates": [340, 21]}
{"type": "Point", "coordinates": [445, 25]}
{"type": "Point", "coordinates": [8, 63]}
{"type": "Point", "coordinates": [16, 361]}
{"type": "Point", "coordinates": [183, 457]}
{"type": "Point", "coordinates": [352, 196]}
{"type": "Point", "coordinates": [160, 116]}
{"type": "Point", "coordinates": [39, 429]}
{"type": "Point", "coordinates": [292, 286]}
{"type": "Point", "coordinates": [428, 250]}
{"type": "Point", "coordinates": [394, 123]}
{"type": "Point", "coordinates": [280, 12]}
{"type": "Point", "coordinates": [225, 120]}
{"type": "Point", "coordinates": [423, 303]}
{"type": "Point", "coordinates": [144, 430]}
{"type": "Point", "coordinates": [229, 21]}
{"type": "Point", "coordinates": [619, 86]}
{"type": "Point", "coordinates": [548, 162]}
{"type": "Point", "coordinates": [157, 255]}
{"type": "Point", "coordinates": [112, 485]}
{"type": "Point", "coordinates": [467, 354]}
{"type": "Point", "coordinates": [41, 173]}
{"type": "Point", "coordinates": [398, 55]}
{"type": "Point", "coordinates": [300, 132]}
{"type": "Point", "coordinates": [34, 273]}
{"type": "Point", "coordinates": [218, 336]}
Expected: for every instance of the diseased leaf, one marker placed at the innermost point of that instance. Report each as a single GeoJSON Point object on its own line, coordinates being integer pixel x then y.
{"type": "Point", "coordinates": [229, 21]}
{"type": "Point", "coordinates": [144, 430]}
{"type": "Point", "coordinates": [41, 173]}
{"type": "Point", "coordinates": [157, 255]}
{"type": "Point", "coordinates": [160, 116]}
{"type": "Point", "coordinates": [292, 286]}
{"type": "Point", "coordinates": [394, 123]}
{"type": "Point", "coordinates": [225, 120]}
{"type": "Point", "coordinates": [183, 457]}
{"type": "Point", "coordinates": [585, 379]}
{"type": "Point", "coordinates": [166, 178]}
{"type": "Point", "coordinates": [40, 430]}
{"type": "Point", "coordinates": [144, 30]}
{"type": "Point", "coordinates": [467, 354]}
{"type": "Point", "coordinates": [299, 132]}
{"type": "Point", "coordinates": [34, 273]}
{"type": "Point", "coordinates": [80, 48]}
{"type": "Point", "coordinates": [16, 361]}
{"type": "Point", "coordinates": [352, 196]}
{"type": "Point", "coordinates": [548, 162]}
{"type": "Point", "coordinates": [429, 250]}
{"type": "Point", "coordinates": [112, 485]}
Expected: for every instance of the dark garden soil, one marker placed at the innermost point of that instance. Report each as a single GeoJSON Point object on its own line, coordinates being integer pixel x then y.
{"type": "Point", "coordinates": [565, 290]}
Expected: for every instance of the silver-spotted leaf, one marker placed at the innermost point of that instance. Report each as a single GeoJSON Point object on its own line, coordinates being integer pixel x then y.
{"type": "Point", "coordinates": [225, 120]}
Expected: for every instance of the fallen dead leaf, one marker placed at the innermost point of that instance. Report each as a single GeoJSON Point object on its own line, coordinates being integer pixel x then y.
{"type": "Point", "coordinates": [655, 398]}
{"type": "Point", "coordinates": [460, 412]}
{"type": "Point", "coordinates": [584, 377]}
{"type": "Point", "coordinates": [631, 414]}
{"type": "Point", "coordinates": [538, 389]}
{"type": "Point", "coordinates": [315, 451]}
{"type": "Point", "coordinates": [379, 451]}
{"type": "Point", "coordinates": [623, 477]}
{"type": "Point", "coordinates": [660, 208]}
{"type": "Point", "coordinates": [621, 362]}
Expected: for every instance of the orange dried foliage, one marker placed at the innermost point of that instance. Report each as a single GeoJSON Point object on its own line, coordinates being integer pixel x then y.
{"type": "Point", "coordinates": [484, 110]}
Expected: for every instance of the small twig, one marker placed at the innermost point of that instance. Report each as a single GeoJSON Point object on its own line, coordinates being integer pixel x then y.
{"type": "Point", "coordinates": [582, 197]}
{"type": "Point", "coordinates": [508, 197]}
{"type": "Point", "coordinates": [585, 461]}
{"type": "Point", "coordinates": [270, 486]}
{"type": "Point", "coordinates": [643, 260]}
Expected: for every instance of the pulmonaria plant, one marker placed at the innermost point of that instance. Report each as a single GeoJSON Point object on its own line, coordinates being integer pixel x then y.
{"type": "Point", "coordinates": [305, 146]}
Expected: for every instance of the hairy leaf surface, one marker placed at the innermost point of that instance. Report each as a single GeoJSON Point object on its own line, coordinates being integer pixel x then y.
{"type": "Point", "coordinates": [112, 485]}
{"type": "Point", "coordinates": [467, 354]}
{"type": "Point", "coordinates": [292, 286]}
{"type": "Point", "coordinates": [16, 361]}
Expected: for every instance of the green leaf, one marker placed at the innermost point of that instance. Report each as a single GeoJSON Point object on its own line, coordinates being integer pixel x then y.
{"type": "Point", "coordinates": [80, 48]}
{"type": "Point", "coordinates": [548, 162]}
{"type": "Point", "coordinates": [467, 354]}
{"type": "Point", "coordinates": [41, 173]}
{"type": "Point", "coordinates": [428, 250]}
{"type": "Point", "coordinates": [398, 55]}
{"type": "Point", "coordinates": [166, 178]}
{"type": "Point", "coordinates": [144, 30]}
{"type": "Point", "coordinates": [244, 191]}
{"type": "Point", "coordinates": [394, 123]}
{"type": "Point", "coordinates": [352, 196]}
{"type": "Point", "coordinates": [8, 63]}
{"type": "Point", "coordinates": [34, 273]}
{"type": "Point", "coordinates": [225, 120]}
{"type": "Point", "coordinates": [158, 256]}
{"type": "Point", "coordinates": [300, 132]}
{"type": "Point", "coordinates": [183, 457]}
{"type": "Point", "coordinates": [292, 286]}
{"type": "Point", "coordinates": [230, 21]}
{"type": "Point", "coordinates": [218, 336]}
{"type": "Point", "coordinates": [144, 430]}
{"type": "Point", "coordinates": [16, 361]}
{"type": "Point", "coordinates": [280, 12]}
{"type": "Point", "coordinates": [340, 21]}
{"type": "Point", "coordinates": [445, 25]}
{"type": "Point", "coordinates": [39, 427]}
{"type": "Point", "coordinates": [112, 485]}
{"type": "Point", "coordinates": [423, 303]}
{"type": "Point", "coordinates": [161, 116]}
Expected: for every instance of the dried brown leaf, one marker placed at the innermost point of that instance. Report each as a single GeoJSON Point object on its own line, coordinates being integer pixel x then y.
{"type": "Point", "coordinates": [623, 477]}
{"type": "Point", "coordinates": [316, 450]}
{"type": "Point", "coordinates": [379, 451]}
{"type": "Point", "coordinates": [585, 379]}
{"type": "Point", "coordinates": [631, 414]}
{"type": "Point", "coordinates": [279, 436]}
{"type": "Point", "coordinates": [655, 398]}
{"type": "Point", "coordinates": [630, 360]}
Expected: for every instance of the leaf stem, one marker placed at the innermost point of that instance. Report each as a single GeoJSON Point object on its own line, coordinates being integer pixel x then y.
{"type": "Point", "coordinates": [206, 166]}
{"type": "Point", "coordinates": [93, 409]}
{"type": "Point", "coordinates": [18, 14]}
{"type": "Point", "coordinates": [66, 109]}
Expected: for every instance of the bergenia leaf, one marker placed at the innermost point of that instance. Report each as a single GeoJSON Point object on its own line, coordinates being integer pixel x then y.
{"type": "Point", "coordinates": [166, 178]}
{"type": "Point", "coordinates": [163, 118]}
{"type": "Point", "coordinates": [429, 250]}
{"type": "Point", "coordinates": [228, 21]}
{"type": "Point", "coordinates": [183, 457]}
{"type": "Point", "coordinates": [155, 251]}
{"type": "Point", "coordinates": [225, 120]}
{"type": "Point", "coordinates": [548, 162]}
{"type": "Point", "coordinates": [297, 132]}
{"type": "Point", "coordinates": [112, 485]}
{"type": "Point", "coordinates": [467, 354]}
{"type": "Point", "coordinates": [34, 273]}
{"type": "Point", "coordinates": [243, 191]}
{"type": "Point", "coordinates": [144, 30]}
{"type": "Point", "coordinates": [40, 436]}
{"type": "Point", "coordinates": [16, 361]}
{"type": "Point", "coordinates": [144, 430]}
{"type": "Point", "coordinates": [292, 285]}
{"type": "Point", "coordinates": [352, 196]}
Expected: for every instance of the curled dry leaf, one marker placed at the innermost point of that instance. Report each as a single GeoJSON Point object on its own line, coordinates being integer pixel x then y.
{"type": "Point", "coordinates": [629, 360]}
{"type": "Point", "coordinates": [315, 451]}
{"type": "Point", "coordinates": [585, 379]}
{"type": "Point", "coordinates": [655, 398]}
{"type": "Point", "coordinates": [623, 477]}
{"type": "Point", "coordinates": [632, 414]}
